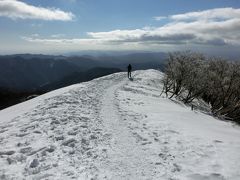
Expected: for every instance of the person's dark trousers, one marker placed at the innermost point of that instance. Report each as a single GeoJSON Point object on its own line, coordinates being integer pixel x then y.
{"type": "Point", "coordinates": [129, 74]}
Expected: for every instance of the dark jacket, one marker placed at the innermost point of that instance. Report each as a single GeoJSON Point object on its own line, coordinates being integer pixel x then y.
{"type": "Point", "coordinates": [129, 67]}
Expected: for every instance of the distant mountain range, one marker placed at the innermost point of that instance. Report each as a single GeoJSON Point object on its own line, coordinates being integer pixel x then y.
{"type": "Point", "coordinates": [80, 77]}
{"type": "Point", "coordinates": [29, 74]}
{"type": "Point", "coordinates": [32, 71]}
{"type": "Point", "coordinates": [23, 75]}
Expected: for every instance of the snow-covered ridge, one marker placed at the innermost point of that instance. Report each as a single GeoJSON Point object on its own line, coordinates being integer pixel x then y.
{"type": "Point", "coordinates": [113, 128]}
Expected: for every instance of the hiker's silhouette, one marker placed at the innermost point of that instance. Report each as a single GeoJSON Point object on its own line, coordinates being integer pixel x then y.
{"type": "Point", "coordinates": [129, 71]}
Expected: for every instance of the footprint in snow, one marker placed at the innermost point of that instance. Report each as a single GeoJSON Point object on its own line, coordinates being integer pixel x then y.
{"type": "Point", "coordinates": [212, 176]}
{"type": "Point", "coordinates": [70, 142]}
{"type": "Point", "coordinates": [217, 141]}
{"type": "Point", "coordinates": [9, 152]}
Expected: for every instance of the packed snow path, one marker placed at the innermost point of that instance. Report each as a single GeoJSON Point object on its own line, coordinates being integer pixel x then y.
{"type": "Point", "coordinates": [113, 128]}
{"type": "Point", "coordinates": [123, 161]}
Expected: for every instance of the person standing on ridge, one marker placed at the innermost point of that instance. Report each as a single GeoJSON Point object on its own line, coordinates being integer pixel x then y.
{"type": "Point", "coordinates": [129, 71]}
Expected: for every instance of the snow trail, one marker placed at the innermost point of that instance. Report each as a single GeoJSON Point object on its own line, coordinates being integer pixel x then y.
{"type": "Point", "coordinates": [125, 160]}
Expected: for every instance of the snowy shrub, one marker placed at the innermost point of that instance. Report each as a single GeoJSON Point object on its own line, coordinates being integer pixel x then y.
{"type": "Point", "coordinates": [190, 75]}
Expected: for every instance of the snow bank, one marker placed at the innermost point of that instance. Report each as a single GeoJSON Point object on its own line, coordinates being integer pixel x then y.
{"type": "Point", "coordinates": [114, 128]}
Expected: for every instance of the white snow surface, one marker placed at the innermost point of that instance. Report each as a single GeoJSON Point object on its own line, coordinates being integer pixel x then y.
{"type": "Point", "coordinates": [113, 128]}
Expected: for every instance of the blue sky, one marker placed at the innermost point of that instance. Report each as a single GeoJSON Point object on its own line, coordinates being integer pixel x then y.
{"type": "Point", "coordinates": [61, 26]}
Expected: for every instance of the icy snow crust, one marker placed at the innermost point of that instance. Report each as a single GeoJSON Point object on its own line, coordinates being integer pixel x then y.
{"type": "Point", "coordinates": [113, 128]}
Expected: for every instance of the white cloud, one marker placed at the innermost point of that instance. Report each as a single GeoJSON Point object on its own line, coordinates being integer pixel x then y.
{"type": "Point", "coordinates": [35, 35]}
{"type": "Point", "coordinates": [202, 32]}
{"type": "Point", "coordinates": [159, 18]}
{"type": "Point", "coordinates": [15, 9]}
{"type": "Point", "coordinates": [211, 27]}
{"type": "Point", "coordinates": [215, 29]}
{"type": "Point", "coordinates": [61, 40]}
{"type": "Point", "coordinates": [221, 13]}
{"type": "Point", "coordinates": [57, 35]}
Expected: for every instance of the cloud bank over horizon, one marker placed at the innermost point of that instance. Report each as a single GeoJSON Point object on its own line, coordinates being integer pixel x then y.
{"type": "Point", "coordinates": [215, 27]}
